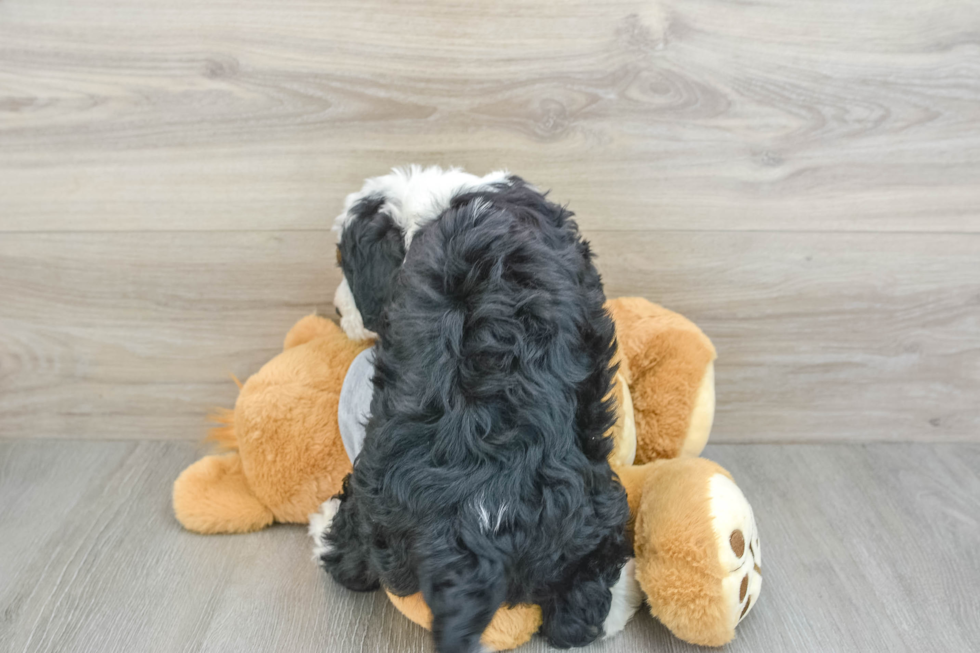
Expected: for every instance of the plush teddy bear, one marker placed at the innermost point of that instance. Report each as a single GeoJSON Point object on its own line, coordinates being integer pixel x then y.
{"type": "Point", "coordinates": [695, 541]}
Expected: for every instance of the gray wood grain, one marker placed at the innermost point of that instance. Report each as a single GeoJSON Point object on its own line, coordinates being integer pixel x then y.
{"type": "Point", "coordinates": [136, 335]}
{"type": "Point", "coordinates": [784, 115]}
{"type": "Point", "coordinates": [821, 337]}
{"type": "Point", "coordinates": [866, 548]}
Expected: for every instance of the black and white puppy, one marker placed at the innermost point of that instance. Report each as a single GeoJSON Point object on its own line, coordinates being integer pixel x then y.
{"type": "Point", "coordinates": [483, 478]}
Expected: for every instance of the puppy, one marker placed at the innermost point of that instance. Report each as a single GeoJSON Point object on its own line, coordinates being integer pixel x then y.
{"type": "Point", "coordinates": [483, 478]}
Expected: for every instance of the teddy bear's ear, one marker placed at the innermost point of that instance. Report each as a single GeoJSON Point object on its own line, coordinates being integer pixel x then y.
{"type": "Point", "coordinates": [213, 496]}
{"type": "Point", "coordinates": [310, 328]}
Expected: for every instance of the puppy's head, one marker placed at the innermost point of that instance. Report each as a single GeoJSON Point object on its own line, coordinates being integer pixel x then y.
{"type": "Point", "coordinates": [376, 229]}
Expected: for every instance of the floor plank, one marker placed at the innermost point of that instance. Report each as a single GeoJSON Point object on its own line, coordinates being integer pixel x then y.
{"type": "Point", "coordinates": [867, 548]}
{"type": "Point", "coordinates": [821, 337]}
{"type": "Point", "coordinates": [784, 115]}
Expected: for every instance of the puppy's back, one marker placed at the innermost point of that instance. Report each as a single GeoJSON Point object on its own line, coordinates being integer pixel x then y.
{"type": "Point", "coordinates": [487, 450]}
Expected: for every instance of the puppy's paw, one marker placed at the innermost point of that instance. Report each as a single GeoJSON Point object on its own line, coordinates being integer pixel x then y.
{"type": "Point", "coordinates": [320, 525]}
{"type": "Point", "coordinates": [627, 597]}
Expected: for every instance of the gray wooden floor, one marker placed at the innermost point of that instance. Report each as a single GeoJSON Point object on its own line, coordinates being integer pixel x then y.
{"type": "Point", "coordinates": [866, 548]}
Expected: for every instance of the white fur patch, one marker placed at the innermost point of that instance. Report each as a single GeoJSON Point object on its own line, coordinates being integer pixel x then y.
{"type": "Point", "coordinates": [350, 318]}
{"type": "Point", "coordinates": [627, 597]}
{"type": "Point", "coordinates": [320, 525]}
{"type": "Point", "coordinates": [416, 195]}
{"type": "Point", "coordinates": [485, 521]}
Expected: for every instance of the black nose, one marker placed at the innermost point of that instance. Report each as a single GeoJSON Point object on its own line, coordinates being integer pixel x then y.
{"type": "Point", "coordinates": [338, 312]}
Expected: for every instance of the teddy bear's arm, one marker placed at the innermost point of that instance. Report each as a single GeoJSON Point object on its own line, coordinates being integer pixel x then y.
{"type": "Point", "coordinates": [671, 378]}
{"type": "Point", "coordinates": [213, 496]}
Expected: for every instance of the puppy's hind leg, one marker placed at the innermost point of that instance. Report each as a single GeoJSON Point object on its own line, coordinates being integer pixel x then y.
{"type": "Point", "coordinates": [463, 592]}
{"type": "Point", "coordinates": [574, 613]}
{"type": "Point", "coordinates": [338, 543]}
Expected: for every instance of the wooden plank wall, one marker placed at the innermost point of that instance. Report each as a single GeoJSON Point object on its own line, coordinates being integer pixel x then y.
{"type": "Point", "coordinates": [800, 178]}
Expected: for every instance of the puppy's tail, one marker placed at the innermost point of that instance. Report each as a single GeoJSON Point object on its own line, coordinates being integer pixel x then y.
{"type": "Point", "coordinates": [463, 592]}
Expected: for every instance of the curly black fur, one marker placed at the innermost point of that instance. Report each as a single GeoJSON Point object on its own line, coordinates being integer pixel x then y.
{"type": "Point", "coordinates": [483, 479]}
{"type": "Point", "coordinates": [370, 254]}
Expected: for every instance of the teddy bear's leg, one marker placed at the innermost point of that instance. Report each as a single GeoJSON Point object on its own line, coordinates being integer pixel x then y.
{"type": "Point", "coordinates": [213, 496]}
{"type": "Point", "coordinates": [739, 548]}
{"type": "Point", "coordinates": [338, 545]}
{"type": "Point", "coordinates": [697, 548]}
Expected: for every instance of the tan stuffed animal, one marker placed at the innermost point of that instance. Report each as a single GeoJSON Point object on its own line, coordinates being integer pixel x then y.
{"type": "Point", "coordinates": [696, 545]}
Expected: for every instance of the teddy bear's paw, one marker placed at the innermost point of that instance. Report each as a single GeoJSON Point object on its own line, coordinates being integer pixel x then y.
{"type": "Point", "coordinates": [738, 547]}
{"type": "Point", "coordinates": [320, 524]}
{"type": "Point", "coordinates": [627, 597]}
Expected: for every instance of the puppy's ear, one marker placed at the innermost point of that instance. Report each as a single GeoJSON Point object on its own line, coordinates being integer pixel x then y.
{"type": "Point", "coordinates": [371, 250]}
